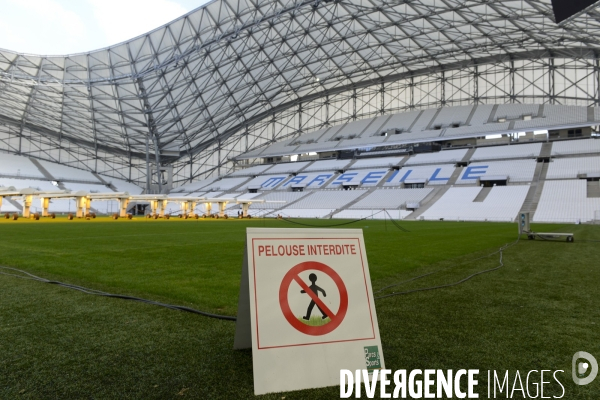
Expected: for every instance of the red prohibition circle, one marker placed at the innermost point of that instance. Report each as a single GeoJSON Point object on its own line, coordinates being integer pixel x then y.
{"type": "Point", "coordinates": [294, 274]}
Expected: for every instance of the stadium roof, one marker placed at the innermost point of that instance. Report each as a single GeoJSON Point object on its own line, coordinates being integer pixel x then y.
{"type": "Point", "coordinates": [205, 76]}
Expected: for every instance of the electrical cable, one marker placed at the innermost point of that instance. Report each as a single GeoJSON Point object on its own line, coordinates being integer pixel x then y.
{"type": "Point", "coordinates": [501, 264]}
{"type": "Point", "coordinates": [395, 223]}
{"type": "Point", "coordinates": [118, 296]}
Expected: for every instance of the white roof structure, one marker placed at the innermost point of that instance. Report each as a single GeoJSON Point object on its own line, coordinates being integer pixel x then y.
{"type": "Point", "coordinates": [231, 76]}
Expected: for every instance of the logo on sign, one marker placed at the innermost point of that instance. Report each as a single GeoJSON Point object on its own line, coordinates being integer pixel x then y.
{"type": "Point", "coordinates": [326, 319]}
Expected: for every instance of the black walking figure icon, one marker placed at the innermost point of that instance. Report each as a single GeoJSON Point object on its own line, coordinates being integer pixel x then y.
{"type": "Point", "coordinates": [315, 289]}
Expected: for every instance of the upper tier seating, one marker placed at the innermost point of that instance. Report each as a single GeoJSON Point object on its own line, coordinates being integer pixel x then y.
{"type": "Point", "coordinates": [18, 166]}
{"type": "Point", "coordinates": [566, 201]}
{"type": "Point", "coordinates": [434, 174]}
{"type": "Point", "coordinates": [288, 168]}
{"type": "Point", "coordinates": [391, 198]}
{"type": "Point", "coordinates": [327, 165]}
{"type": "Point", "coordinates": [569, 168]}
{"type": "Point", "coordinates": [516, 171]}
{"type": "Point", "coordinates": [529, 150]}
{"type": "Point", "coordinates": [584, 146]}
{"type": "Point", "coordinates": [62, 172]}
{"type": "Point", "coordinates": [328, 199]}
{"type": "Point", "coordinates": [501, 204]}
{"type": "Point", "coordinates": [446, 156]}
{"type": "Point", "coordinates": [252, 171]}
{"type": "Point", "coordinates": [387, 162]}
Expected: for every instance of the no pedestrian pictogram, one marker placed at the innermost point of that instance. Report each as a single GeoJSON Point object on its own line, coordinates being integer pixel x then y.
{"type": "Point", "coordinates": [294, 275]}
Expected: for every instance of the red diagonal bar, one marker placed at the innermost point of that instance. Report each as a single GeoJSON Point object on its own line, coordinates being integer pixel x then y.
{"type": "Point", "coordinates": [315, 298]}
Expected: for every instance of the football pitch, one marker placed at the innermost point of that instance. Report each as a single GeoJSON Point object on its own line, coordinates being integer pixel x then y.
{"type": "Point", "coordinates": [532, 314]}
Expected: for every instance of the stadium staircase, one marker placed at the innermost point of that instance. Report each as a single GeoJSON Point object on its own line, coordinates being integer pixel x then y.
{"type": "Point", "coordinates": [546, 151]}
{"type": "Point", "coordinates": [454, 176]}
{"type": "Point", "coordinates": [535, 190]}
{"type": "Point", "coordinates": [593, 189]}
{"type": "Point", "coordinates": [46, 174]}
{"type": "Point", "coordinates": [353, 202]}
{"type": "Point", "coordinates": [480, 198]}
{"type": "Point", "coordinates": [430, 200]}
{"type": "Point", "coordinates": [469, 154]}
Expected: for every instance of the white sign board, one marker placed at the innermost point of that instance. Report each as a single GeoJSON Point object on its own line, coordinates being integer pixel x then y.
{"type": "Point", "coordinates": [306, 308]}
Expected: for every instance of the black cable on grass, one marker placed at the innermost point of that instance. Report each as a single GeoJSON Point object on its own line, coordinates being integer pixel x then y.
{"type": "Point", "coordinates": [500, 250]}
{"type": "Point", "coordinates": [118, 296]}
{"type": "Point", "coordinates": [397, 225]}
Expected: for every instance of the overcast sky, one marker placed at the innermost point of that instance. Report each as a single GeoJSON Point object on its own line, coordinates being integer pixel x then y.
{"type": "Point", "coordinates": [60, 27]}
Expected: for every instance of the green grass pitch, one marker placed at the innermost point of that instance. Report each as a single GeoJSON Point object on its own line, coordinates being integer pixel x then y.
{"type": "Point", "coordinates": [534, 313]}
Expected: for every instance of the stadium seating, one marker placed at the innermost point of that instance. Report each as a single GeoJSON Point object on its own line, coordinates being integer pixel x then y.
{"type": "Point", "coordinates": [376, 162]}
{"type": "Point", "coordinates": [433, 174]}
{"type": "Point", "coordinates": [288, 168]}
{"type": "Point", "coordinates": [325, 199]}
{"type": "Point", "coordinates": [515, 170]}
{"type": "Point", "coordinates": [372, 214]}
{"type": "Point", "coordinates": [327, 165]}
{"type": "Point", "coordinates": [584, 146]}
{"type": "Point", "coordinates": [459, 203]}
{"type": "Point", "coordinates": [529, 150]}
{"type": "Point", "coordinates": [569, 168]}
{"type": "Point", "coordinates": [447, 156]}
{"type": "Point", "coordinates": [61, 172]}
{"type": "Point", "coordinates": [285, 198]}
{"type": "Point", "coordinates": [304, 213]}
{"type": "Point", "coordinates": [18, 166]}
{"type": "Point", "coordinates": [391, 198]}
{"type": "Point", "coordinates": [28, 183]}
{"type": "Point", "coordinates": [566, 201]}
{"type": "Point", "coordinates": [368, 177]}
{"type": "Point", "coordinates": [251, 171]}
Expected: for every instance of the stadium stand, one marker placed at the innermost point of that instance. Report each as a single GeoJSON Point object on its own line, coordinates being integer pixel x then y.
{"type": "Point", "coordinates": [312, 180]}
{"type": "Point", "coordinates": [225, 184]}
{"type": "Point", "coordinates": [18, 166]}
{"type": "Point", "coordinates": [288, 168]}
{"type": "Point", "coordinates": [431, 174]}
{"type": "Point", "coordinates": [62, 172]}
{"type": "Point", "coordinates": [570, 168]}
{"type": "Point", "coordinates": [251, 171]}
{"type": "Point", "coordinates": [567, 201]}
{"type": "Point", "coordinates": [123, 186]}
{"type": "Point", "coordinates": [529, 150]}
{"type": "Point", "coordinates": [361, 177]}
{"type": "Point", "coordinates": [391, 198]}
{"type": "Point", "coordinates": [285, 197]}
{"type": "Point", "coordinates": [372, 214]}
{"type": "Point", "coordinates": [376, 162]}
{"type": "Point", "coordinates": [266, 182]}
{"type": "Point", "coordinates": [447, 156]}
{"type": "Point", "coordinates": [501, 203]}
{"type": "Point", "coordinates": [322, 199]}
{"type": "Point", "coordinates": [28, 183]}
{"type": "Point", "coordinates": [194, 186]}
{"type": "Point", "coordinates": [515, 171]}
{"type": "Point", "coordinates": [327, 165]}
{"type": "Point", "coordinates": [584, 146]}
{"type": "Point", "coordinates": [86, 187]}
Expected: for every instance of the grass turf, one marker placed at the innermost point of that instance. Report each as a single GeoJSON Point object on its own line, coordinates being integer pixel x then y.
{"type": "Point", "coordinates": [533, 314]}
